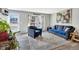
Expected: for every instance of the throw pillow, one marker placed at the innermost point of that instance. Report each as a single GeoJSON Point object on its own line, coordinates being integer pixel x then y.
{"type": "Point", "coordinates": [56, 27]}
{"type": "Point", "coordinates": [37, 31]}
{"type": "Point", "coordinates": [66, 29]}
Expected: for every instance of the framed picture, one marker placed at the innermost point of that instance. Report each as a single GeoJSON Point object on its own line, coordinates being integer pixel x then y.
{"type": "Point", "coordinates": [64, 16]}
{"type": "Point", "coordinates": [59, 18]}
{"type": "Point", "coordinates": [13, 19]}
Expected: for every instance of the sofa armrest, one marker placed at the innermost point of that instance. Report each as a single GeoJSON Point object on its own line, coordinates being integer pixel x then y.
{"type": "Point", "coordinates": [31, 31]}
{"type": "Point", "coordinates": [49, 28]}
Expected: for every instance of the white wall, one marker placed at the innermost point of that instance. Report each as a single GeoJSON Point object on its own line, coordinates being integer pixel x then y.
{"type": "Point", "coordinates": [75, 19]}
{"type": "Point", "coordinates": [52, 20]}
{"type": "Point", "coordinates": [3, 17]}
{"type": "Point", "coordinates": [45, 21]}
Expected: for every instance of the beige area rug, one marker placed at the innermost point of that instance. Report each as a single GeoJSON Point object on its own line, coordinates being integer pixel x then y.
{"type": "Point", "coordinates": [46, 42]}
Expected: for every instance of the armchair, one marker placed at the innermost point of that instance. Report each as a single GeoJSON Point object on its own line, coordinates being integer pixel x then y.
{"type": "Point", "coordinates": [34, 31]}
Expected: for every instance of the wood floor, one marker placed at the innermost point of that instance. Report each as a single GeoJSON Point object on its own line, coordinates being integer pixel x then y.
{"type": "Point", "coordinates": [70, 46]}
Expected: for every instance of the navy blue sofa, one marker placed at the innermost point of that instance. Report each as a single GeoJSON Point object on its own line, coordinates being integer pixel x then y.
{"type": "Point", "coordinates": [34, 31]}
{"type": "Point", "coordinates": [61, 30]}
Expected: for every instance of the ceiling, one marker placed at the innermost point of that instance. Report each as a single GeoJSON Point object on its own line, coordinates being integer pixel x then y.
{"type": "Point", "coordinates": [40, 10]}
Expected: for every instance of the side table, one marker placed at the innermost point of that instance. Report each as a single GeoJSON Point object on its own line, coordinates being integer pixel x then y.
{"type": "Point", "coordinates": [74, 36]}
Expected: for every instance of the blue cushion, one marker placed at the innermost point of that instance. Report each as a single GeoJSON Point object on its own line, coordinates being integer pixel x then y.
{"type": "Point", "coordinates": [55, 30]}
{"type": "Point", "coordinates": [59, 28]}
{"type": "Point", "coordinates": [62, 32]}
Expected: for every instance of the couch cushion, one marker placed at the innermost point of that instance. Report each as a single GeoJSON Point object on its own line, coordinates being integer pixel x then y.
{"type": "Point", "coordinates": [62, 32]}
{"type": "Point", "coordinates": [56, 26]}
{"type": "Point", "coordinates": [55, 30]}
{"type": "Point", "coordinates": [59, 28]}
{"type": "Point", "coordinates": [52, 30]}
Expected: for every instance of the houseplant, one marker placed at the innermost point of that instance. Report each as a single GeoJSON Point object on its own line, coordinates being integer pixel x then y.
{"type": "Point", "coordinates": [7, 35]}
{"type": "Point", "coordinates": [4, 28]}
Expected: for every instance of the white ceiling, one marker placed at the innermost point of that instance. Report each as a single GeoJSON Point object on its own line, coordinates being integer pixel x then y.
{"type": "Point", "coordinates": [40, 10]}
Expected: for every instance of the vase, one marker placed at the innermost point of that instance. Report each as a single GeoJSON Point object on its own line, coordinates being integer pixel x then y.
{"type": "Point", "coordinates": [4, 36]}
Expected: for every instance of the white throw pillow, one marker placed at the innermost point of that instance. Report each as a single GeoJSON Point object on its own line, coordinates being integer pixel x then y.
{"type": "Point", "coordinates": [36, 30]}
{"type": "Point", "coordinates": [66, 29]}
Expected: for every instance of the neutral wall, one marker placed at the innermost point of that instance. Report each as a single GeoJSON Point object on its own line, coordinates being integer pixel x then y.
{"type": "Point", "coordinates": [3, 17]}
{"type": "Point", "coordinates": [47, 21]}
{"type": "Point", "coordinates": [75, 19]}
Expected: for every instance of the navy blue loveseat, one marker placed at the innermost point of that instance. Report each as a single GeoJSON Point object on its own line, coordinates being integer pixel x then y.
{"type": "Point", "coordinates": [61, 30]}
{"type": "Point", "coordinates": [34, 31]}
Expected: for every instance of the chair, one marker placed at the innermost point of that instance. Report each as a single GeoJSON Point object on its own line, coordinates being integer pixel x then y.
{"type": "Point", "coordinates": [34, 31]}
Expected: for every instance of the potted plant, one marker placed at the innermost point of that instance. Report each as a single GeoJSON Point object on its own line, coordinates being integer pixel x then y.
{"type": "Point", "coordinates": [14, 44]}
{"type": "Point", "coordinates": [7, 35]}
{"type": "Point", "coordinates": [4, 28]}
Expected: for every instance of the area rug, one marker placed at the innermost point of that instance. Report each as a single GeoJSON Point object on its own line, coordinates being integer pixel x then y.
{"type": "Point", "coordinates": [46, 42]}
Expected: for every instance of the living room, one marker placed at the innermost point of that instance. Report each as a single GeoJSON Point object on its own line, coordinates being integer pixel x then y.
{"type": "Point", "coordinates": [41, 28]}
